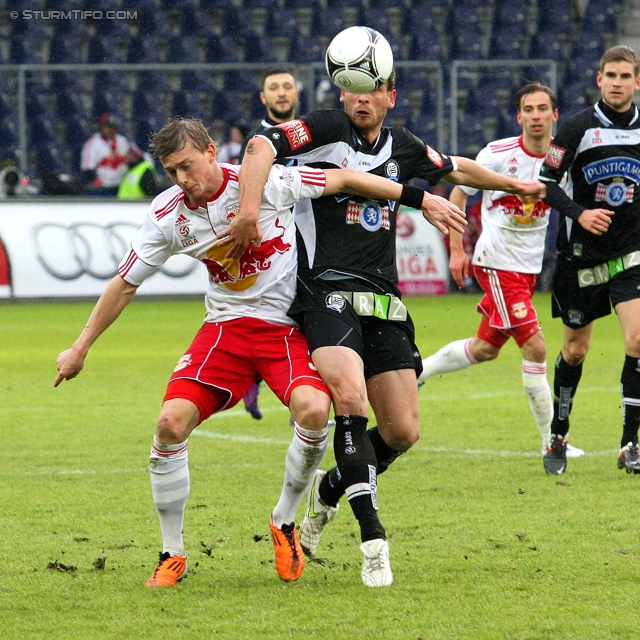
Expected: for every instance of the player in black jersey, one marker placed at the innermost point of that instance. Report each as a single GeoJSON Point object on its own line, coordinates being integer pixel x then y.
{"type": "Point", "coordinates": [598, 243]}
{"type": "Point", "coordinates": [348, 302]}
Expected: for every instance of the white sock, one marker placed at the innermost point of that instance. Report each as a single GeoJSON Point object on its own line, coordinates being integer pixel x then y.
{"type": "Point", "coordinates": [452, 357]}
{"type": "Point", "coordinates": [536, 386]}
{"type": "Point", "coordinates": [169, 469]}
{"type": "Point", "coordinates": [303, 458]}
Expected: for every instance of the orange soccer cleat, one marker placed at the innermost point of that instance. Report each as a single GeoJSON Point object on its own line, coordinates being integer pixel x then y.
{"type": "Point", "coordinates": [289, 556]}
{"type": "Point", "coordinates": [170, 569]}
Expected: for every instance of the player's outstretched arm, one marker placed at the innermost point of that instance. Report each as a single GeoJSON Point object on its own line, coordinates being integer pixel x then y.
{"type": "Point", "coordinates": [473, 174]}
{"type": "Point", "coordinates": [441, 213]}
{"type": "Point", "coordinates": [115, 298]}
{"type": "Point", "coordinates": [458, 260]}
{"type": "Point", "coordinates": [254, 172]}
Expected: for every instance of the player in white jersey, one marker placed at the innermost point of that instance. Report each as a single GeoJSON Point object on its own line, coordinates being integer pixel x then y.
{"type": "Point", "coordinates": [246, 334]}
{"type": "Point", "coordinates": [508, 258]}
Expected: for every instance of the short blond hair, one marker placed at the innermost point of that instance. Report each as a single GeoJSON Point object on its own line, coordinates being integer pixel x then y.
{"type": "Point", "coordinates": [176, 134]}
{"type": "Point", "coordinates": [621, 53]}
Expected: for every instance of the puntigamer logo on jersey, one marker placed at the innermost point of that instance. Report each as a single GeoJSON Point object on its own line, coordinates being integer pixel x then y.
{"type": "Point", "coordinates": [613, 168]}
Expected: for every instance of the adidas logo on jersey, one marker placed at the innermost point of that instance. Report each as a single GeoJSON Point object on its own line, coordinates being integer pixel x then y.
{"type": "Point", "coordinates": [513, 161]}
{"type": "Point", "coordinates": [182, 219]}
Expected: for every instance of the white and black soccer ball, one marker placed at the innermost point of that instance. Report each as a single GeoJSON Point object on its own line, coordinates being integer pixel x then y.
{"type": "Point", "coordinates": [359, 60]}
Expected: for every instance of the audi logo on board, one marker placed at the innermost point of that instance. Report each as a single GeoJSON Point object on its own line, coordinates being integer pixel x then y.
{"type": "Point", "coordinates": [69, 251]}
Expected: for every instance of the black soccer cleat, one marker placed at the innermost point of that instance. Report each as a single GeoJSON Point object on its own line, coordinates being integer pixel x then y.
{"type": "Point", "coordinates": [629, 458]}
{"type": "Point", "coordinates": [555, 458]}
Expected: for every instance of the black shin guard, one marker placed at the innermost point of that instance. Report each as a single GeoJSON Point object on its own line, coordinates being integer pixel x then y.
{"type": "Point", "coordinates": [332, 488]}
{"type": "Point", "coordinates": [357, 464]}
{"type": "Point", "coordinates": [630, 383]}
{"type": "Point", "coordinates": [565, 384]}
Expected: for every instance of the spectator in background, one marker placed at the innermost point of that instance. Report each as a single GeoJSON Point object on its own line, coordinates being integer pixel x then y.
{"type": "Point", "coordinates": [103, 162]}
{"type": "Point", "coordinates": [140, 180]}
{"type": "Point", "coordinates": [230, 150]}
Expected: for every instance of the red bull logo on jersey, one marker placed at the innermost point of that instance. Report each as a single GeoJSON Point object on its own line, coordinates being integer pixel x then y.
{"type": "Point", "coordinates": [239, 275]}
{"type": "Point", "coordinates": [523, 209]}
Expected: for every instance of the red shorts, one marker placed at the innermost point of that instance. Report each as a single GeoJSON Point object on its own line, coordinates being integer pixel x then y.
{"type": "Point", "coordinates": [506, 306]}
{"type": "Point", "coordinates": [226, 358]}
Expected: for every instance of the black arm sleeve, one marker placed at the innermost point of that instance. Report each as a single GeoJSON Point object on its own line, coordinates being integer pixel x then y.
{"type": "Point", "coordinates": [148, 183]}
{"type": "Point", "coordinates": [561, 202]}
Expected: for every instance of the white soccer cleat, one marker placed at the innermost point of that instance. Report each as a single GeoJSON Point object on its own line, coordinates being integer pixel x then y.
{"type": "Point", "coordinates": [574, 452]}
{"type": "Point", "coordinates": [376, 569]}
{"type": "Point", "coordinates": [316, 517]}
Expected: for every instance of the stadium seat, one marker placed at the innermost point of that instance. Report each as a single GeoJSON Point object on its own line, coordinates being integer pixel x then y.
{"type": "Point", "coordinates": [418, 20]}
{"type": "Point", "coordinates": [153, 23]}
{"type": "Point", "coordinates": [107, 102]}
{"type": "Point", "coordinates": [282, 23]}
{"type": "Point", "coordinates": [221, 49]}
{"type": "Point", "coordinates": [506, 43]}
{"type": "Point", "coordinates": [144, 127]}
{"type": "Point", "coordinates": [305, 49]}
{"type": "Point", "coordinates": [9, 137]}
{"type": "Point", "coordinates": [228, 106]}
{"type": "Point", "coordinates": [25, 50]}
{"type": "Point", "coordinates": [195, 22]}
{"type": "Point", "coordinates": [426, 46]}
{"type": "Point", "coordinates": [259, 49]}
{"type": "Point", "coordinates": [587, 43]}
{"type": "Point", "coordinates": [327, 23]}
{"type": "Point", "coordinates": [183, 49]}
{"type": "Point", "coordinates": [303, 4]}
{"type": "Point", "coordinates": [508, 126]}
{"type": "Point", "coordinates": [462, 18]}
{"type": "Point", "coordinates": [109, 80]}
{"type": "Point", "coordinates": [38, 105]}
{"type": "Point", "coordinates": [467, 45]}
{"type": "Point", "coordinates": [240, 81]}
{"type": "Point", "coordinates": [101, 50]}
{"type": "Point", "coordinates": [377, 18]}
{"type": "Point", "coordinates": [65, 50]}
{"type": "Point", "coordinates": [272, 5]}
{"type": "Point", "coordinates": [8, 107]}
{"type": "Point", "coordinates": [238, 22]}
{"type": "Point", "coordinates": [546, 45]}
{"type": "Point", "coordinates": [196, 80]}
{"type": "Point", "coordinates": [42, 129]}
{"type": "Point", "coordinates": [70, 106]}
{"type": "Point", "coordinates": [424, 126]}
{"type": "Point", "coordinates": [600, 16]}
{"type": "Point", "coordinates": [384, 4]}
{"type": "Point", "coordinates": [483, 101]}
{"type": "Point", "coordinates": [582, 70]}
{"type": "Point", "coordinates": [571, 99]}
{"type": "Point", "coordinates": [555, 15]}
{"type": "Point", "coordinates": [509, 12]}
{"type": "Point", "coordinates": [188, 104]}
{"type": "Point", "coordinates": [49, 159]}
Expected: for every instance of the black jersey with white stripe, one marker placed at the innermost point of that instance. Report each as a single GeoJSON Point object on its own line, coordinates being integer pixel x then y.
{"type": "Point", "coordinates": [345, 237]}
{"type": "Point", "coordinates": [599, 150]}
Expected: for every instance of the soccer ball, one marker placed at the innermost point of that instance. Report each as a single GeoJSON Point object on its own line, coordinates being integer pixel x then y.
{"type": "Point", "coordinates": [359, 60]}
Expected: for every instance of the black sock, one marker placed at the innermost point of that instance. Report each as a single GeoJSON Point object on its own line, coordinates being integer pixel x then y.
{"type": "Point", "coordinates": [332, 488]}
{"type": "Point", "coordinates": [357, 464]}
{"type": "Point", "coordinates": [565, 385]}
{"type": "Point", "coordinates": [630, 400]}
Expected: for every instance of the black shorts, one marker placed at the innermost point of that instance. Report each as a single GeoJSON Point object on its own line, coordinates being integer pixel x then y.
{"type": "Point", "coordinates": [383, 345]}
{"type": "Point", "coordinates": [579, 306]}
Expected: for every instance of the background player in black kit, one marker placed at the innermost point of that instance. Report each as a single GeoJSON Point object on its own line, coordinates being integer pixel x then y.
{"type": "Point", "coordinates": [360, 334]}
{"type": "Point", "coordinates": [598, 243]}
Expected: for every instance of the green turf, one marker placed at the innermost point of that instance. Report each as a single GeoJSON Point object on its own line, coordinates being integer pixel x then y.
{"type": "Point", "coordinates": [483, 543]}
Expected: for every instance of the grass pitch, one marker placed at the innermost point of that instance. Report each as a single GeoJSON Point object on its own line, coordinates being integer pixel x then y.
{"type": "Point", "coordinates": [483, 543]}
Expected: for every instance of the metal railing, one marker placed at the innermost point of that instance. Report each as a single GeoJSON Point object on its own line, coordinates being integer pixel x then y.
{"type": "Point", "coordinates": [309, 75]}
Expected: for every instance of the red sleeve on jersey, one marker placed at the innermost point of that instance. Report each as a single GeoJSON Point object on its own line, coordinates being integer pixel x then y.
{"type": "Point", "coordinates": [297, 133]}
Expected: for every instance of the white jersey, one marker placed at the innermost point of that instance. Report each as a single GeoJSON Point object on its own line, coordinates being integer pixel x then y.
{"type": "Point", "coordinates": [106, 158]}
{"type": "Point", "coordinates": [261, 284]}
{"type": "Point", "coordinates": [513, 227]}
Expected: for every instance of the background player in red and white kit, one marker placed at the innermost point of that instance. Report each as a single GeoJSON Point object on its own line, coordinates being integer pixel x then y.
{"type": "Point", "coordinates": [508, 258]}
{"type": "Point", "coordinates": [246, 332]}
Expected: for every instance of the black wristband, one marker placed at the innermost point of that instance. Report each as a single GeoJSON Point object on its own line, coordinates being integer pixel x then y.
{"type": "Point", "coordinates": [411, 196]}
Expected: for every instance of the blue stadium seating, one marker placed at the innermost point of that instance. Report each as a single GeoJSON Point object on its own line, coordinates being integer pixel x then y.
{"type": "Point", "coordinates": [283, 23]}
{"type": "Point", "coordinates": [49, 158]}
{"type": "Point", "coordinates": [425, 46]}
{"type": "Point", "coordinates": [221, 49]}
{"type": "Point", "coordinates": [195, 22]}
{"type": "Point", "coordinates": [467, 45]}
{"type": "Point", "coordinates": [327, 23]}
{"type": "Point", "coordinates": [153, 23]}
{"type": "Point", "coordinates": [144, 127]}
{"type": "Point", "coordinates": [600, 16]}
{"type": "Point", "coordinates": [546, 45]}
{"type": "Point", "coordinates": [587, 43]}
{"type": "Point", "coordinates": [25, 50]}
{"type": "Point", "coordinates": [306, 49]}
{"type": "Point", "coordinates": [506, 43]}
{"type": "Point", "coordinates": [259, 49]}
{"type": "Point", "coordinates": [188, 104]}
{"type": "Point", "coordinates": [103, 49]}
{"type": "Point", "coordinates": [376, 17]}
{"type": "Point", "coordinates": [183, 49]}
{"type": "Point", "coordinates": [483, 101]}
{"type": "Point", "coordinates": [418, 20]}
{"type": "Point", "coordinates": [65, 50]}
{"type": "Point", "coordinates": [571, 99]}
{"type": "Point", "coordinates": [555, 15]}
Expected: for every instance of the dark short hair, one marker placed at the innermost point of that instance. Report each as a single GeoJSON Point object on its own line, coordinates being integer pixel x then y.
{"type": "Point", "coordinates": [534, 87]}
{"type": "Point", "coordinates": [276, 71]}
{"type": "Point", "coordinates": [391, 80]}
{"type": "Point", "coordinates": [621, 53]}
{"type": "Point", "coordinates": [176, 134]}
